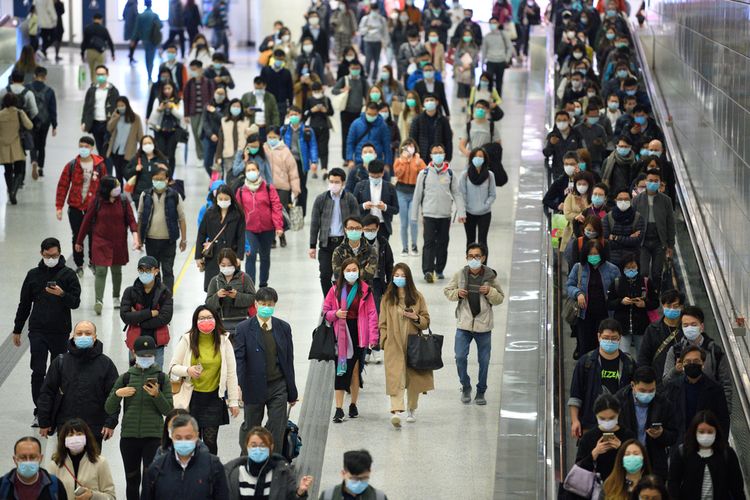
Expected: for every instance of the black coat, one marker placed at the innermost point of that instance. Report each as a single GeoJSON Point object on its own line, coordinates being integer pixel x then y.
{"type": "Point", "coordinates": [634, 320]}
{"type": "Point", "coordinates": [659, 410]}
{"type": "Point", "coordinates": [212, 120]}
{"type": "Point", "coordinates": [557, 151]}
{"type": "Point", "coordinates": [232, 237]}
{"type": "Point", "coordinates": [48, 313]}
{"type": "Point", "coordinates": [203, 479]}
{"type": "Point", "coordinates": [655, 335]}
{"type": "Point", "coordinates": [630, 222]}
{"type": "Point", "coordinates": [387, 196]}
{"type": "Point", "coordinates": [89, 103]}
{"type": "Point", "coordinates": [419, 131]}
{"type": "Point", "coordinates": [686, 475]}
{"type": "Point", "coordinates": [606, 461]}
{"type": "Point", "coordinates": [710, 397]}
{"type": "Point", "coordinates": [421, 88]}
{"type": "Point", "coordinates": [320, 45]}
{"type": "Point", "coordinates": [136, 295]}
{"type": "Point", "coordinates": [555, 195]}
{"type": "Point", "coordinates": [143, 178]}
{"type": "Point", "coordinates": [85, 377]}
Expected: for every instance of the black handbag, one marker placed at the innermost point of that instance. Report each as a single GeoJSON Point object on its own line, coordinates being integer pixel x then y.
{"type": "Point", "coordinates": [27, 138]}
{"type": "Point", "coordinates": [182, 135]}
{"type": "Point", "coordinates": [424, 352]}
{"type": "Point", "coordinates": [323, 347]}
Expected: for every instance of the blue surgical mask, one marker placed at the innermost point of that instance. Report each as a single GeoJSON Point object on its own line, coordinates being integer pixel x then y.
{"type": "Point", "coordinates": [597, 200]}
{"type": "Point", "coordinates": [145, 362]}
{"type": "Point", "coordinates": [370, 119]}
{"type": "Point", "coordinates": [672, 313]}
{"type": "Point", "coordinates": [640, 120]}
{"type": "Point", "coordinates": [252, 175]}
{"type": "Point", "coordinates": [475, 263]}
{"type": "Point", "coordinates": [622, 73]}
{"type": "Point", "coordinates": [437, 158]}
{"type": "Point", "coordinates": [217, 67]}
{"type": "Point", "coordinates": [691, 332]}
{"type": "Point", "coordinates": [630, 92]}
{"type": "Point", "coordinates": [265, 311]}
{"type": "Point", "coordinates": [356, 486]}
{"type": "Point", "coordinates": [652, 186]}
{"type": "Point", "coordinates": [171, 56]}
{"type": "Point", "coordinates": [623, 151]}
{"type": "Point", "coordinates": [592, 120]}
{"type": "Point", "coordinates": [84, 152]}
{"type": "Point", "coordinates": [146, 278]}
{"type": "Point", "coordinates": [399, 281]}
{"type": "Point", "coordinates": [609, 346]}
{"type": "Point", "coordinates": [368, 157]}
{"type": "Point", "coordinates": [28, 469]}
{"type": "Point", "coordinates": [258, 454]}
{"type": "Point", "coordinates": [644, 397]}
{"type": "Point", "coordinates": [590, 234]}
{"type": "Point", "coordinates": [159, 185]}
{"type": "Point", "coordinates": [477, 161]}
{"type": "Point", "coordinates": [430, 106]}
{"type": "Point", "coordinates": [351, 276]}
{"type": "Point", "coordinates": [353, 234]}
{"type": "Point", "coordinates": [610, 36]}
{"type": "Point", "coordinates": [184, 447]}
{"type": "Point", "coordinates": [632, 463]}
{"type": "Point", "coordinates": [84, 341]}
{"type": "Point", "coordinates": [273, 142]}
{"type": "Point", "coordinates": [235, 111]}
{"type": "Point", "coordinates": [644, 153]}
{"type": "Point", "coordinates": [582, 165]}
{"type": "Point", "coordinates": [631, 273]}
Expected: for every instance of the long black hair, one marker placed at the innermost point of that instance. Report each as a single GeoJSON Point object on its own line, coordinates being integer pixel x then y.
{"type": "Point", "coordinates": [129, 113]}
{"type": "Point", "coordinates": [218, 332]}
{"type": "Point", "coordinates": [410, 291]}
{"type": "Point", "coordinates": [106, 185]}
{"type": "Point", "coordinates": [255, 138]}
{"type": "Point", "coordinates": [225, 189]}
{"type": "Point", "coordinates": [691, 441]}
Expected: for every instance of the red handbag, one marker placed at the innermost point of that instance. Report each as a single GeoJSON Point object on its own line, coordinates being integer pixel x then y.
{"type": "Point", "coordinates": [134, 331]}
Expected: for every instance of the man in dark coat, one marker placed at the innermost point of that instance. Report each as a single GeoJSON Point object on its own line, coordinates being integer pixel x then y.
{"type": "Point", "coordinates": [377, 197]}
{"type": "Point", "coordinates": [563, 139]}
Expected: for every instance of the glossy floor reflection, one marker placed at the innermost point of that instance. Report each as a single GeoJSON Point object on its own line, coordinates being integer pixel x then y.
{"type": "Point", "coordinates": [449, 452]}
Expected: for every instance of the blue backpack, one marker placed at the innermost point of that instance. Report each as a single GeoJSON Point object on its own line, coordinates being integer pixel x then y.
{"type": "Point", "coordinates": [292, 441]}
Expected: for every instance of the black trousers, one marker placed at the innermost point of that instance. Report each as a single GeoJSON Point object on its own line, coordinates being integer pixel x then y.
{"type": "Point", "coordinates": [274, 407]}
{"type": "Point", "coordinates": [496, 71]}
{"type": "Point", "coordinates": [166, 142]}
{"type": "Point", "coordinates": [40, 143]}
{"type": "Point", "coordinates": [653, 255]}
{"type": "Point", "coordinates": [137, 454]}
{"type": "Point", "coordinates": [176, 33]}
{"type": "Point", "coordinates": [42, 343]}
{"type": "Point", "coordinates": [436, 239]}
{"type": "Point", "coordinates": [48, 38]}
{"type": "Point", "coordinates": [477, 224]}
{"type": "Point", "coordinates": [99, 131]}
{"type": "Point", "coordinates": [322, 136]}
{"type": "Point", "coordinates": [302, 198]}
{"type": "Point", "coordinates": [325, 263]}
{"type": "Point", "coordinates": [14, 173]}
{"type": "Point", "coordinates": [120, 164]}
{"type": "Point", "coordinates": [75, 218]}
{"type": "Point", "coordinates": [347, 119]}
{"type": "Point", "coordinates": [164, 251]}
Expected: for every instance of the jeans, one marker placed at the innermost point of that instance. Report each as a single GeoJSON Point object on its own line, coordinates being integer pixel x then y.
{"type": "Point", "coordinates": [40, 143]}
{"type": "Point", "coordinates": [276, 401]}
{"type": "Point", "coordinates": [372, 59]}
{"type": "Point", "coordinates": [196, 124]}
{"type": "Point", "coordinates": [436, 239]}
{"type": "Point", "coordinates": [477, 224]}
{"type": "Point", "coordinates": [101, 281]}
{"type": "Point", "coordinates": [325, 264]}
{"type": "Point", "coordinates": [220, 39]}
{"type": "Point", "coordinates": [260, 243]}
{"type": "Point", "coordinates": [149, 50]}
{"type": "Point", "coordinates": [173, 34]}
{"type": "Point", "coordinates": [40, 344]}
{"type": "Point", "coordinates": [99, 131]}
{"type": "Point", "coordinates": [136, 453]}
{"type": "Point", "coordinates": [209, 150]}
{"type": "Point", "coordinates": [407, 225]}
{"type": "Point", "coordinates": [496, 71]}
{"type": "Point", "coordinates": [164, 252]}
{"type": "Point", "coordinates": [484, 348]}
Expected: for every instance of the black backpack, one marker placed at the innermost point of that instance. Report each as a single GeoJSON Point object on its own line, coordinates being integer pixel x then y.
{"type": "Point", "coordinates": [21, 100]}
{"type": "Point", "coordinates": [42, 105]}
{"type": "Point", "coordinates": [494, 156]}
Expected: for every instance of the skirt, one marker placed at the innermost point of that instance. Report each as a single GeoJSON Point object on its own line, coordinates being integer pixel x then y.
{"type": "Point", "coordinates": [344, 382]}
{"type": "Point", "coordinates": [208, 409]}
{"type": "Point", "coordinates": [464, 90]}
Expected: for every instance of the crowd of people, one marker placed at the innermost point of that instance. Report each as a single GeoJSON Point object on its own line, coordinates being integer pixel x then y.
{"type": "Point", "coordinates": [651, 393]}
{"type": "Point", "coordinates": [260, 143]}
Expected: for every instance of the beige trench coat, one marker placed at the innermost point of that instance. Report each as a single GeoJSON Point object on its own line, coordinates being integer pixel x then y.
{"type": "Point", "coordinates": [394, 330]}
{"type": "Point", "coordinates": [11, 120]}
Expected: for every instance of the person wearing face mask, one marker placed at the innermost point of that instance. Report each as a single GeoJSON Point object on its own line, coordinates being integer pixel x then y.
{"type": "Point", "coordinates": [260, 107]}
{"type": "Point", "coordinates": [615, 85]}
{"type": "Point", "coordinates": [430, 85]}
{"type": "Point", "coordinates": [477, 184]}
{"type": "Point", "coordinates": [260, 472]}
{"type": "Point", "coordinates": [85, 375]}
{"type": "Point", "coordinates": [626, 120]}
{"type": "Point", "coordinates": [319, 110]}
{"type": "Point", "coordinates": [28, 478]}
{"type": "Point", "coordinates": [279, 81]}
{"type": "Point", "coordinates": [406, 168]}
{"type": "Point", "coordinates": [161, 222]}
{"type": "Point", "coordinates": [78, 184]}
{"type": "Point", "coordinates": [486, 91]}
{"type": "Point", "coordinates": [406, 57]}
{"type": "Point", "coordinates": [622, 227]}
{"type": "Point", "coordinates": [309, 58]}
{"type": "Point", "coordinates": [96, 40]}
{"type": "Point", "coordinates": [693, 390]}
{"type": "Point", "coordinates": [563, 139]}
{"type": "Point", "coordinates": [217, 71]}
{"type": "Point", "coordinates": [594, 135]}
{"type": "Point", "coordinates": [644, 129]}
{"type": "Point", "coordinates": [661, 335]}
{"type": "Point", "coordinates": [356, 477]}
{"type": "Point", "coordinates": [176, 22]}
{"type": "Point", "coordinates": [561, 187]}
{"type": "Point", "coordinates": [480, 130]}
{"type": "Point", "coordinates": [632, 462]}
{"type": "Point", "coordinates": [165, 478]}
{"type": "Point", "coordinates": [377, 197]}
{"type": "Point", "coordinates": [164, 77]}
{"type": "Point", "coordinates": [222, 227]}
{"type": "Point", "coordinates": [658, 238]}
{"type": "Point", "coordinates": [374, 234]}
{"type": "Point", "coordinates": [201, 51]}
{"type": "Point", "coordinates": [591, 230]}
{"type": "Point", "coordinates": [126, 131]}
{"type": "Point", "coordinates": [344, 26]}
{"type": "Point", "coordinates": [166, 120]}
{"type": "Point", "coordinates": [148, 28]}
{"type": "Point", "coordinates": [48, 294]}
{"type": "Point", "coordinates": [301, 141]}
{"type": "Point", "coordinates": [575, 204]}
{"type": "Point", "coordinates": [368, 130]}
{"type": "Point", "coordinates": [196, 96]}
{"type": "Point", "coordinates": [230, 292]}
{"type": "Point", "coordinates": [574, 88]}
{"type": "Point", "coordinates": [466, 62]}
{"type": "Point", "coordinates": [45, 119]}
{"type": "Point", "coordinates": [213, 114]}
{"type": "Point", "coordinates": [654, 154]}
{"type": "Point", "coordinates": [99, 104]}
{"type": "Point", "coordinates": [412, 109]}
{"type": "Point", "coordinates": [204, 360]}
{"type": "Point", "coordinates": [252, 151]}
{"type": "Point", "coordinates": [176, 69]}
{"type": "Point", "coordinates": [619, 168]}
{"type": "Point", "coordinates": [319, 36]}
{"type": "Point", "coordinates": [264, 350]}
{"type": "Point", "coordinates": [403, 312]}
{"type": "Point", "coordinates": [467, 24]}
{"type": "Point", "coordinates": [705, 466]}
{"type": "Point", "coordinates": [649, 416]}
{"type": "Point", "coordinates": [436, 19]}
{"type": "Point", "coordinates": [529, 14]}
{"type": "Point", "coordinates": [147, 398]}
{"type": "Point", "coordinates": [141, 167]}
{"type": "Point", "coordinates": [431, 128]}
{"type": "Point", "coordinates": [354, 246]}
{"type": "Point", "coordinates": [286, 178]}
{"type": "Point", "coordinates": [106, 224]}
{"type": "Point", "coordinates": [233, 132]}
{"type": "Point", "coordinates": [477, 290]}
{"type": "Point", "coordinates": [350, 308]}
{"type": "Point", "coordinates": [355, 88]}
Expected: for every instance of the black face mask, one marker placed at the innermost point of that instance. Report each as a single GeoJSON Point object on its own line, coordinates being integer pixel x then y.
{"type": "Point", "coordinates": [693, 370]}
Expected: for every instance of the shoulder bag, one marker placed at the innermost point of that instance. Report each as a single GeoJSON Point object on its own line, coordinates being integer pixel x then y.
{"type": "Point", "coordinates": [208, 246]}
{"type": "Point", "coordinates": [339, 101]}
{"type": "Point", "coordinates": [424, 352]}
{"type": "Point", "coordinates": [583, 482]}
{"type": "Point", "coordinates": [323, 347]}
{"type": "Point", "coordinates": [570, 307]}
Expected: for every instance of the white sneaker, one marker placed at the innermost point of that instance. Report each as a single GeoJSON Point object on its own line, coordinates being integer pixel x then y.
{"type": "Point", "coordinates": [404, 253]}
{"type": "Point", "coordinates": [116, 302]}
{"type": "Point", "coordinates": [368, 359]}
{"type": "Point", "coordinates": [396, 420]}
{"type": "Point", "coordinates": [377, 357]}
{"type": "Point", "coordinates": [410, 418]}
{"type": "Point", "coordinates": [414, 251]}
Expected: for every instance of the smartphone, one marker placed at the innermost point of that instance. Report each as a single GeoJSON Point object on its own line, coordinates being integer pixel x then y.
{"type": "Point", "coordinates": [655, 424]}
{"type": "Point", "coordinates": [51, 284]}
{"type": "Point", "coordinates": [152, 381]}
{"type": "Point", "coordinates": [79, 491]}
{"type": "Point", "coordinates": [408, 309]}
{"type": "Point", "coordinates": [608, 436]}
{"type": "Point", "coordinates": [228, 288]}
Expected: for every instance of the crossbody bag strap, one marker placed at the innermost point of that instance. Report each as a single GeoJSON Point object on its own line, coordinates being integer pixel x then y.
{"type": "Point", "coordinates": [72, 475]}
{"type": "Point", "coordinates": [665, 343]}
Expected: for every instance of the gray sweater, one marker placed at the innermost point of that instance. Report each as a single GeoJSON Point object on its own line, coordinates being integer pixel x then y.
{"type": "Point", "coordinates": [356, 97]}
{"type": "Point", "coordinates": [497, 47]}
{"type": "Point", "coordinates": [436, 193]}
{"type": "Point", "coordinates": [478, 199]}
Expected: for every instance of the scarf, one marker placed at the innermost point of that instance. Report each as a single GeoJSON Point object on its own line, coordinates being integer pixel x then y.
{"type": "Point", "coordinates": [477, 177]}
{"type": "Point", "coordinates": [621, 217]}
{"type": "Point", "coordinates": [625, 160]}
{"type": "Point", "coordinates": [343, 339]}
{"type": "Point", "coordinates": [253, 186]}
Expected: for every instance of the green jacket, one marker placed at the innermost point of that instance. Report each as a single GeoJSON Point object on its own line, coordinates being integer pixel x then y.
{"type": "Point", "coordinates": [144, 415]}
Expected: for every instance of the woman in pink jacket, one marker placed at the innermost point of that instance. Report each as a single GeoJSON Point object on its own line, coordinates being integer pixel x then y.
{"type": "Point", "coordinates": [263, 220]}
{"type": "Point", "coordinates": [350, 308]}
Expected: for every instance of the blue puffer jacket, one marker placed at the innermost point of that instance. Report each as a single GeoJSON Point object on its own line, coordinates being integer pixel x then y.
{"type": "Point", "coordinates": [308, 144]}
{"type": "Point", "coordinates": [608, 272]}
{"type": "Point", "coordinates": [238, 167]}
{"type": "Point", "coordinates": [377, 133]}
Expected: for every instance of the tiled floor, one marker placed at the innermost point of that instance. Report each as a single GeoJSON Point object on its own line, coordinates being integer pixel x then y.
{"type": "Point", "coordinates": [448, 453]}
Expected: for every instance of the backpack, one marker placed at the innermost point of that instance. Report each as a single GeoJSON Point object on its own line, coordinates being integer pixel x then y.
{"type": "Point", "coordinates": [40, 96]}
{"type": "Point", "coordinates": [155, 36]}
{"type": "Point", "coordinates": [330, 492]}
{"type": "Point", "coordinates": [21, 99]}
{"type": "Point", "coordinates": [494, 156]}
{"type": "Point", "coordinates": [424, 182]}
{"type": "Point", "coordinates": [292, 441]}
{"type": "Point", "coordinates": [160, 377]}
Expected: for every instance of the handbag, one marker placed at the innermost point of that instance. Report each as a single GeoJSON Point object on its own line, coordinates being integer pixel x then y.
{"type": "Point", "coordinates": [296, 218]}
{"type": "Point", "coordinates": [208, 247]}
{"type": "Point", "coordinates": [323, 347]}
{"type": "Point", "coordinates": [424, 352]}
{"type": "Point", "coordinates": [584, 483]}
{"type": "Point", "coordinates": [570, 308]}
{"type": "Point", "coordinates": [182, 135]}
{"type": "Point", "coordinates": [339, 101]}
{"type": "Point", "coordinates": [176, 385]}
{"type": "Point", "coordinates": [510, 28]}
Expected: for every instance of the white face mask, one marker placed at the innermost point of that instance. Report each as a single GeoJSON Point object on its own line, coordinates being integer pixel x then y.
{"type": "Point", "coordinates": [569, 170]}
{"type": "Point", "coordinates": [623, 205]}
{"type": "Point", "coordinates": [582, 188]}
{"type": "Point", "coordinates": [705, 440]}
{"type": "Point", "coordinates": [334, 187]}
{"type": "Point", "coordinates": [563, 126]}
{"type": "Point", "coordinates": [148, 148]}
{"type": "Point", "coordinates": [607, 425]}
{"type": "Point", "coordinates": [318, 95]}
{"type": "Point", "coordinates": [226, 270]}
{"type": "Point", "coordinates": [51, 262]}
{"type": "Point", "coordinates": [224, 203]}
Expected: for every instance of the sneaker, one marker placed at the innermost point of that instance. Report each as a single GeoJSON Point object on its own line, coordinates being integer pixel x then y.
{"type": "Point", "coordinates": [35, 422]}
{"type": "Point", "coordinates": [338, 417]}
{"type": "Point", "coordinates": [79, 272]}
{"type": "Point", "coordinates": [92, 268]}
{"type": "Point", "coordinates": [410, 418]}
{"type": "Point", "coordinates": [414, 251]}
{"type": "Point", "coordinates": [282, 241]}
{"type": "Point", "coordinates": [396, 420]}
{"type": "Point", "coordinates": [368, 358]}
{"type": "Point", "coordinates": [41, 172]}
{"type": "Point", "coordinates": [377, 357]}
{"type": "Point", "coordinates": [116, 302]}
{"type": "Point", "coordinates": [440, 276]}
{"type": "Point", "coordinates": [273, 245]}
{"type": "Point", "coordinates": [325, 175]}
{"type": "Point", "coordinates": [479, 399]}
{"type": "Point", "coordinates": [34, 170]}
{"type": "Point", "coordinates": [404, 253]}
{"type": "Point", "coordinates": [353, 412]}
{"type": "Point", "coordinates": [466, 395]}
{"type": "Point", "coordinates": [98, 307]}
{"type": "Point", "coordinates": [429, 278]}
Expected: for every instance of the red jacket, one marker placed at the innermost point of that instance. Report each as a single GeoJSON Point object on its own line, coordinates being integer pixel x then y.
{"type": "Point", "coordinates": [109, 236]}
{"type": "Point", "coordinates": [262, 208]}
{"type": "Point", "coordinates": [71, 186]}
